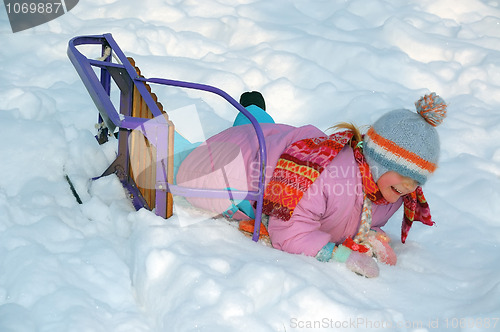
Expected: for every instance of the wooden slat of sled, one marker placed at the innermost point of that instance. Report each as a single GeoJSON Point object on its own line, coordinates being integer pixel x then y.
{"type": "Point", "coordinates": [143, 154]}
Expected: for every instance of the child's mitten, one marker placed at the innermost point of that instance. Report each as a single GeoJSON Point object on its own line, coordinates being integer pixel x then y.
{"type": "Point", "coordinates": [381, 249]}
{"type": "Point", "coordinates": [359, 263]}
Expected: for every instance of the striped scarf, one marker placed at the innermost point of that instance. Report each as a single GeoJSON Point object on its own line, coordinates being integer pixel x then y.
{"type": "Point", "coordinates": [303, 162]}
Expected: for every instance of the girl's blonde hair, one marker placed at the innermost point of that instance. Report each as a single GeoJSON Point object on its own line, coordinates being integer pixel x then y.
{"type": "Point", "coordinates": [349, 126]}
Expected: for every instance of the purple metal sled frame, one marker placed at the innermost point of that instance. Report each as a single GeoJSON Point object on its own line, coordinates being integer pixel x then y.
{"type": "Point", "coordinates": [156, 130]}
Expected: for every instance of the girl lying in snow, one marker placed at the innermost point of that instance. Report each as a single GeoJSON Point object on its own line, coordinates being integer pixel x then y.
{"type": "Point", "coordinates": [327, 196]}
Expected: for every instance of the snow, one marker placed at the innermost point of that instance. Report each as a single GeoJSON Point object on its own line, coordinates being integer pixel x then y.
{"type": "Point", "coordinates": [102, 266]}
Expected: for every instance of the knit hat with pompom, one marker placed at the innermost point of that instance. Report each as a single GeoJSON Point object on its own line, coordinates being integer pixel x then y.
{"type": "Point", "coordinates": [406, 142]}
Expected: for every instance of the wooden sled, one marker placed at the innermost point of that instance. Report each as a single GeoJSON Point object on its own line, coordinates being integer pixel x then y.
{"type": "Point", "coordinates": [144, 163]}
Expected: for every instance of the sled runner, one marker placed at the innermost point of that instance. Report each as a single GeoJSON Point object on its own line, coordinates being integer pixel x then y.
{"type": "Point", "coordinates": [145, 159]}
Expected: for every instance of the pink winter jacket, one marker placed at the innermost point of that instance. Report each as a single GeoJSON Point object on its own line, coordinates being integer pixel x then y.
{"type": "Point", "coordinates": [329, 211]}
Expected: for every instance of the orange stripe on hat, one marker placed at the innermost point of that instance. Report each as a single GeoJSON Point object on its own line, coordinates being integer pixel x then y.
{"type": "Point", "coordinates": [395, 149]}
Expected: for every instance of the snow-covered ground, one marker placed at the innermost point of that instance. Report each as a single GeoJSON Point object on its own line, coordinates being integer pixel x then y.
{"type": "Point", "coordinates": [102, 266]}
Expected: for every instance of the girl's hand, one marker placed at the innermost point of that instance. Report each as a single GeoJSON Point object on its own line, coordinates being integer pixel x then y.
{"type": "Point", "coordinates": [381, 249]}
{"type": "Point", "coordinates": [358, 263]}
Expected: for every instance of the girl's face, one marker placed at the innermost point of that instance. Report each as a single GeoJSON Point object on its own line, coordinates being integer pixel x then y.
{"type": "Point", "coordinates": [392, 185]}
